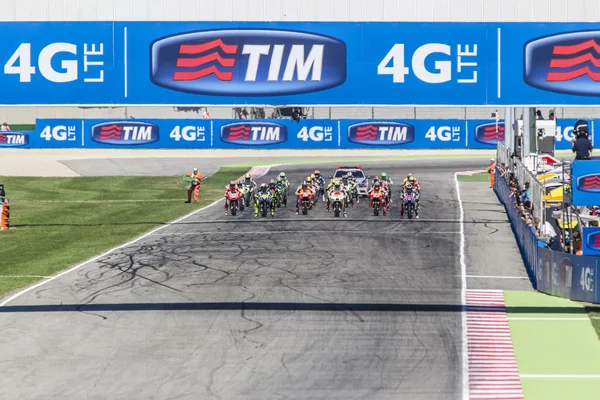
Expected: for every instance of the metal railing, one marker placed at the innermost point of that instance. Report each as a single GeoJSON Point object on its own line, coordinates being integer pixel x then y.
{"type": "Point", "coordinates": [536, 190]}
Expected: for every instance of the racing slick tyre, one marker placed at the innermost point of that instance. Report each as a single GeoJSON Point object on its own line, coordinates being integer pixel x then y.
{"type": "Point", "coordinates": [409, 211]}
{"type": "Point", "coordinates": [233, 206]}
{"type": "Point", "coordinates": [263, 210]}
{"type": "Point", "coordinates": [336, 210]}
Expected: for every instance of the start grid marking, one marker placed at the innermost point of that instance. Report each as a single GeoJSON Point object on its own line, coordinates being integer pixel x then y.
{"type": "Point", "coordinates": [493, 372]}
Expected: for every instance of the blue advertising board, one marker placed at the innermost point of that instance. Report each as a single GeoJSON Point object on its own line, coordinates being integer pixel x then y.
{"type": "Point", "coordinates": [591, 241]}
{"type": "Point", "coordinates": [276, 133]}
{"type": "Point", "coordinates": [585, 182]}
{"type": "Point", "coordinates": [299, 63]}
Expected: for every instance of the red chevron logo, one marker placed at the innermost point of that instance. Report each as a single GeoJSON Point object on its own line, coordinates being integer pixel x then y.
{"type": "Point", "coordinates": [213, 57]}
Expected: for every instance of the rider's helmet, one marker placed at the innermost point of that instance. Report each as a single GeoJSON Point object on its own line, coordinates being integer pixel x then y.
{"type": "Point", "coordinates": [195, 170]}
{"type": "Point", "coordinates": [408, 186]}
{"type": "Point", "coordinates": [313, 176]}
{"type": "Point", "coordinates": [384, 176]}
{"type": "Point", "coordinates": [337, 186]}
{"type": "Point", "coordinates": [376, 180]}
{"type": "Point", "coordinates": [240, 182]}
{"type": "Point", "coordinates": [345, 180]}
{"type": "Point", "coordinates": [279, 180]}
{"type": "Point", "coordinates": [309, 180]}
{"type": "Point", "coordinates": [282, 175]}
{"type": "Point", "coordinates": [409, 176]}
{"type": "Point", "coordinates": [304, 185]}
{"type": "Point", "coordinates": [264, 185]}
{"type": "Point", "coordinates": [377, 185]}
{"type": "Point", "coordinates": [335, 181]}
{"type": "Point", "coordinates": [248, 177]}
{"type": "Point", "coordinates": [232, 185]}
{"type": "Point", "coordinates": [317, 172]}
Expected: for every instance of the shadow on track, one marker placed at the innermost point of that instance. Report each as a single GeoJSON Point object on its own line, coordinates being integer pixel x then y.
{"type": "Point", "coordinates": [237, 306]}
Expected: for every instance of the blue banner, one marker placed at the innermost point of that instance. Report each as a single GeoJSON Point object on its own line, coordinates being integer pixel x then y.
{"type": "Point", "coordinates": [299, 63]}
{"type": "Point", "coordinates": [585, 182]}
{"type": "Point", "coordinates": [591, 241]}
{"type": "Point", "coordinates": [276, 133]}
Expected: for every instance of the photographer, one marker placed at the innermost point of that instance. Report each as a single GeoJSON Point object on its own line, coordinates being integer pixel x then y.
{"type": "Point", "coordinates": [582, 146]}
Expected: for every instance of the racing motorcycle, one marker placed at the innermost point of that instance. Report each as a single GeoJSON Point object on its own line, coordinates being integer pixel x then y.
{"type": "Point", "coordinates": [337, 200]}
{"type": "Point", "coordinates": [306, 202]}
{"type": "Point", "coordinates": [234, 201]}
{"type": "Point", "coordinates": [264, 203]}
{"type": "Point", "coordinates": [377, 201]}
{"type": "Point", "coordinates": [246, 194]}
{"type": "Point", "coordinates": [282, 196]}
{"type": "Point", "coordinates": [410, 202]}
{"type": "Point", "coordinates": [318, 189]}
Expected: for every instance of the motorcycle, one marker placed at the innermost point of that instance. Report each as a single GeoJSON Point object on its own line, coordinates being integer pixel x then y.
{"type": "Point", "coordinates": [317, 189]}
{"type": "Point", "coordinates": [410, 203]}
{"type": "Point", "coordinates": [246, 194]}
{"type": "Point", "coordinates": [264, 203]}
{"type": "Point", "coordinates": [337, 200]}
{"type": "Point", "coordinates": [306, 202]}
{"type": "Point", "coordinates": [377, 201]}
{"type": "Point", "coordinates": [234, 201]}
{"type": "Point", "coordinates": [282, 195]}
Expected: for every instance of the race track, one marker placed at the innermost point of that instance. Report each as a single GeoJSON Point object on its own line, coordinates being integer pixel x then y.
{"type": "Point", "coordinates": [224, 307]}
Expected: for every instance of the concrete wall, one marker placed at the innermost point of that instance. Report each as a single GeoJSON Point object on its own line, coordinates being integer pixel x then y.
{"type": "Point", "coordinates": [292, 10]}
{"type": "Point", "coordinates": [301, 10]}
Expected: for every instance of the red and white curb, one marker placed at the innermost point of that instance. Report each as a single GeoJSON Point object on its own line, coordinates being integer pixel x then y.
{"type": "Point", "coordinates": [493, 372]}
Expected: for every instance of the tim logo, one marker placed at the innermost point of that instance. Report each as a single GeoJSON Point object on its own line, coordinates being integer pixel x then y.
{"type": "Point", "coordinates": [589, 183]}
{"type": "Point", "coordinates": [593, 241]}
{"type": "Point", "coordinates": [248, 62]}
{"type": "Point", "coordinates": [13, 139]}
{"type": "Point", "coordinates": [566, 63]}
{"type": "Point", "coordinates": [125, 133]}
{"type": "Point", "coordinates": [486, 133]}
{"type": "Point", "coordinates": [381, 133]}
{"type": "Point", "coordinates": [254, 133]}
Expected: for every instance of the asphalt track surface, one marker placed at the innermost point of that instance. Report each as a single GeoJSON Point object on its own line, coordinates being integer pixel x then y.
{"type": "Point", "coordinates": [233, 307]}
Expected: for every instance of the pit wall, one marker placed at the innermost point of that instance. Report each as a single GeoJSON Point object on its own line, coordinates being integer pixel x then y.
{"type": "Point", "coordinates": [269, 134]}
{"type": "Point", "coordinates": [553, 272]}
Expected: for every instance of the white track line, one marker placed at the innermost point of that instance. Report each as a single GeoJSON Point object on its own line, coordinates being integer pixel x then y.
{"type": "Point", "coordinates": [496, 277]}
{"type": "Point", "coordinates": [24, 276]}
{"type": "Point", "coordinates": [463, 294]}
{"type": "Point", "coordinates": [309, 232]}
{"type": "Point", "coordinates": [551, 319]}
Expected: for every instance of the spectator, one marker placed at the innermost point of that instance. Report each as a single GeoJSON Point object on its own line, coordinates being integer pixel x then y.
{"type": "Point", "coordinates": [552, 115]}
{"type": "Point", "coordinates": [4, 127]}
{"type": "Point", "coordinates": [582, 147]}
{"type": "Point", "coordinates": [206, 114]}
{"type": "Point", "coordinates": [538, 115]}
{"type": "Point", "coordinates": [544, 229]}
{"type": "Point", "coordinates": [526, 193]}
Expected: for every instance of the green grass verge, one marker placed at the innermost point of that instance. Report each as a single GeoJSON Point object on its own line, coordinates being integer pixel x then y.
{"type": "Point", "coordinates": [483, 177]}
{"type": "Point", "coordinates": [59, 222]}
{"type": "Point", "coordinates": [22, 127]}
{"type": "Point", "coordinates": [553, 347]}
{"type": "Point", "coordinates": [594, 314]}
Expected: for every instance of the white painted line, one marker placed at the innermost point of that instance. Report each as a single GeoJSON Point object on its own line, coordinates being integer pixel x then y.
{"type": "Point", "coordinates": [499, 67]}
{"type": "Point", "coordinates": [268, 231]}
{"type": "Point", "coordinates": [551, 319]}
{"type": "Point", "coordinates": [485, 291]}
{"type": "Point", "coordinates": [533, 376]}
{"type": "Point", "coordinates": [24, 276]}
{"type": "Point", "coordinates": [463, 295]}
{"type": "Point", "coordinates": [125, 59]}
{"type": "Point", "coordinates": [496, 277]}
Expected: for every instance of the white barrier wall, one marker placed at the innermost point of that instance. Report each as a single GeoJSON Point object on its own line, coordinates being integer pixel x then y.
{"type": "Point", "coordinates": [302, 10]}
{"type": "Point", "coordinates": [292, 10]}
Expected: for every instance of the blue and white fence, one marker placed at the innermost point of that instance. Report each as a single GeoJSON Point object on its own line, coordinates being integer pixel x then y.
{"type": "Point", "coordinates": [272, 134]}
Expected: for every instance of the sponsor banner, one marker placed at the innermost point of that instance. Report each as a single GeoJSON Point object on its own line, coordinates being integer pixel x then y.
{"type": "Point", "coordinates": [208, 62]}
{"type": "Point", "coordinates": [14, 139]}
{"type": "Point", "coordinates": [591, 241]}
{"type": "Point", "coordinates": [409, 134]}
{"type": "Point", "coordinates": [585, 182]}
{"type": "Point", "coordinates": [277, 133]}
